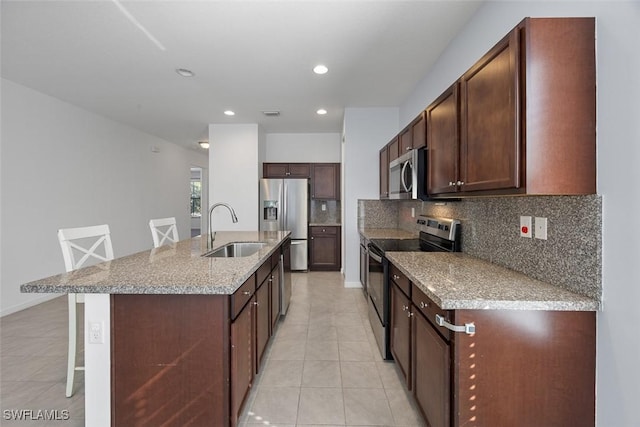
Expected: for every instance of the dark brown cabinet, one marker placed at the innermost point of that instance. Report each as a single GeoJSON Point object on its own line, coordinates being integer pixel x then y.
{"type": "Point", "coordinates": [274, 296]}
{"type": "Point", "coordinates": [414, 136]}
{"type": "Point", "coordinates": [384, 172]}
{"type": "Point", "coordinates": [400, 336]}
{"type": "Point", "coordinates": [325, 181]}
{"type": "Point", "coordinates": [263, 321]}
{"type": "Point", "coordinates": [394, 148]}
{"type": "Point", "coordinates": [242, 358]}
{"type": "Point", "coordinates": [516, 367]}
{"type": "Point", "coordinates": [443, 140]}
{"type": "Point", "coordinates": [526, 117]}
{"type": "Point", "coordinates": [286, 170]}
{"type": "Point", "coordinates": [324, 248]}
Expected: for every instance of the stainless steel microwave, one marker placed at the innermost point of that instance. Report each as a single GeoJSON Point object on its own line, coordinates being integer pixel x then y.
{"type": "Point", "coordinates": [407, 176]}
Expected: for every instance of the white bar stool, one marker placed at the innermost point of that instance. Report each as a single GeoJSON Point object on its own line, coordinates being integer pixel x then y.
{"type": "Point", "coordinates": [170, 233]}
{"type": "Point", "coordinates": [95, 236]}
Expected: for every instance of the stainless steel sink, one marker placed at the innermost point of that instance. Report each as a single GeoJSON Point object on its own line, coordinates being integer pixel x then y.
{"type": "Point", "coordinates": [234, 250]}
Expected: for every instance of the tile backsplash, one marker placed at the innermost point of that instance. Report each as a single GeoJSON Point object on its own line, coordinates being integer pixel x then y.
{"type": "Point", "coordinates": [571, 257]}
{"type": "Point", "coordinates": [331, 214]}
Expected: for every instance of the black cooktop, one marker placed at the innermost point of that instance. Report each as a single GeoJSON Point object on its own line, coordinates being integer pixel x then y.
{"type": "Point", "coordinates": [397, 245]}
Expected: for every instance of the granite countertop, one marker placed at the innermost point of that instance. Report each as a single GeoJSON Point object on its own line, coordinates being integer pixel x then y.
{"type": "Point", "coordinates": [386, 233]}
{"type": "Point", "coordinates": [179, 268]}
{"type": "Point", "coordinates": [460, 281]}
{"type": "Point", "coordinates": [325, 224]}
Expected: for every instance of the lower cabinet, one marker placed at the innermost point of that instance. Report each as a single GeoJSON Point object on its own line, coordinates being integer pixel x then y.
{"type": "Point", "coordinates": [274, 296]}
{"type": "Point", "coordinates": [191, 359]}
{"type": "Point", "coordinates": [324, 248]}
{"type": "Point", "coordinates": [242, 359]}
{"type": "Point", "coordinates": [525, 368]}
{"type": "Point", "coordinates": [400, 339]}
{"type": "Point", "coordinates": [431, 372]}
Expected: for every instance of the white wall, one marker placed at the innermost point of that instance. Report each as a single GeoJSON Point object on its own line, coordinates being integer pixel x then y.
{"type": "Point", "coordinates": [366, 130]}
{"type": "Point", "coordinates": [618, 92]}
{"type": "Point", "coordinates": [63, 166]}
{"type": "Point", "coordinates": [234, 174]}
{"type": "Point", "coordinates": [303, 147]}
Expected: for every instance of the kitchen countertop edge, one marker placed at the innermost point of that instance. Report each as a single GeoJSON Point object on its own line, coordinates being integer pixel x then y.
{"type": "Point", "coordinates": [179, 268]}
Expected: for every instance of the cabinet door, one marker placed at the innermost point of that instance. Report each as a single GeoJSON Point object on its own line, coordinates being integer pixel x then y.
{"type": "Point", "coordinates": [299, 170]}
{"type": "Point", "coordinates": [400, 341]}
{"type": "Point", "coordinates": [242, 359]}
{"type": "Point", "coordinates": [325, 181]}
{"type": "Point", "coordinates": [419, 132]}
{"type": "Point", "coordinates": [384, 173]}
{"type": "Point", "coordinates": [431, 373]}
{"type": "Point", "coordinates": [275, 170]}
{"type": "Point", "coordinates": [406, 140]}
{"type": "Point", "coordinates": [275, 297]}
{"type": "Point", "coordinates": [263, 322]}
{"type": "Point", "coordinates": [324, 248]}
{"type": "Point", "coordinates": [443, 141]}
{"type": "Point", "coordinates": [489, 140]}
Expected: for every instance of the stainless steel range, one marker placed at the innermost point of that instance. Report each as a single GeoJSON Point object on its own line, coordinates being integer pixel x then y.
{"type": "Point", "coordinates": [439, 235]}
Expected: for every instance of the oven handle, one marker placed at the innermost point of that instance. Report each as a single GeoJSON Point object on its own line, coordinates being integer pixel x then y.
{"type": "Point", "coordinates": [375, 256]}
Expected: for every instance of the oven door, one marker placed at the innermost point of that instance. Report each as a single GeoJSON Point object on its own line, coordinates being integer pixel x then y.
{"type": "Point", "coordinates": [378, 301]}
{"type": "Point", "coordinates": [403, 176]}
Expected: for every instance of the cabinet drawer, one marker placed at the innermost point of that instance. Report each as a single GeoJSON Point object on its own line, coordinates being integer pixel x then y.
{"type": "Point", "coordinates": [263, 272]}
{"type": "Point", "coordinates": [319, 230]}
{"type": "Point", "coordinates": [242, 295]}
{"type": "Point", "coordinates": [426, 306]}
{"type": "Point", "coordinates": [400, 279]}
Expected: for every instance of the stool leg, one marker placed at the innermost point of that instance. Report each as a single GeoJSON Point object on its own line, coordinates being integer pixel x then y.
{"type": "Point", "coordinates": [73, 334]}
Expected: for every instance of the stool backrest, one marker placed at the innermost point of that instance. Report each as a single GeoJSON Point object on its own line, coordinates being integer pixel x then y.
{"type": "Point", "coordinates": [96, 236]}
{"type": "Point", "coordinates": [170, 233]}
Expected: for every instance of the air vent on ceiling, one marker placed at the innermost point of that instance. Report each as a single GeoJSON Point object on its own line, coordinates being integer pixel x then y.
{"type": "Point", "coordinates": [271, 113]}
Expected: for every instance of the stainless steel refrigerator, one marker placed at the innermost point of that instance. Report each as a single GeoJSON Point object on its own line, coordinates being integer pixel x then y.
{"type": "Point", "coordinates": [284, 205]}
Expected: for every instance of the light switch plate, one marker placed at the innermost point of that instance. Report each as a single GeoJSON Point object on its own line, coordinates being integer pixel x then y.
{"type": "Point", "coordinates": [541, 228]}
{"type": "Point", "coordinates": [525, 226]}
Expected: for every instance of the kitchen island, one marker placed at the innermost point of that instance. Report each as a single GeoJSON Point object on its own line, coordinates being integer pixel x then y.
{"type": "Point", "coordinates": [179, 335]}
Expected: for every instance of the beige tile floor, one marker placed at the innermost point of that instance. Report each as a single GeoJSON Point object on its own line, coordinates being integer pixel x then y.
{"type": "Point", "coordinates": [321, 368]}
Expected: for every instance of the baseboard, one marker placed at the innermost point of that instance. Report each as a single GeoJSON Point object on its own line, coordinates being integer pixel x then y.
{"type": "Point", "coordinates": [352, 285]}
{"type": "Point", "coordinates": [19, 307]}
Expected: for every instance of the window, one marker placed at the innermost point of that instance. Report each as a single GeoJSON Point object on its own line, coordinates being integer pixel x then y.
{"type": "Point", "coordinates": [196, 195]}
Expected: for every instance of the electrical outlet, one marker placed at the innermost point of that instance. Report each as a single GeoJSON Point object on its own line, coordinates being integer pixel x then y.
{"type": "Point", "coordinates": [323, 206]}
{"type": "Point", "coordinates": [541, 228]}
{"type": "Point", "coordinates": [96, 332]}
{"type": "Point", "coordinates": [525, 226]}
{"type": "Point", "coordinates": [413, 212]}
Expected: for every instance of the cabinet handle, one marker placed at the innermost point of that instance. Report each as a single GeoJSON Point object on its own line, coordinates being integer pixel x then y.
{"type": "Point", "coordinates": [311, 237]}
{"type": "Point", "coordinates": [396, 277]}
{"type": "Point", "coordinates": [460, 182]}
{"type": "Point", "coordinates": [409, 314]}
{"type": "Point", "coordinates": [323, 230]}
{"type": "Point", "coordinates": [424, 305]}
{"type": "Point", "coordinates": [451, 183]}
{"type": "Point", "coordinates": [468, 328]}
{"type": "Point", "coordinates": [246, 292]}
{"type": "Point", "coordinates": [255, 303]}
{"type": "Point", "coordinates": [404, 307]}
{"type": "Point", "coordinates": [409, 148]}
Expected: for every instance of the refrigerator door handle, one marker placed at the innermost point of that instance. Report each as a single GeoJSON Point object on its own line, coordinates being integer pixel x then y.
{"type": "Point", "coordinates": [297, 242]}
{"type": "Point", "coordinates": [285, 207]}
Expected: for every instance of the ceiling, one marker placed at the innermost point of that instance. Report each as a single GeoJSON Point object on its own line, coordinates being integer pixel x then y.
{"type": "Point", "coordinates": [118, 58]}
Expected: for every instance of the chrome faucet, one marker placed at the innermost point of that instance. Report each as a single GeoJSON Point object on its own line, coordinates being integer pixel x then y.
{"type": "Point", "coordinates": [234, 218]}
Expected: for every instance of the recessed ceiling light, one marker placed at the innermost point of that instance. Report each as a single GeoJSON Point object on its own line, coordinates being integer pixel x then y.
{"type": "Point", "coordinates": [229, 113]}
{"type": "Point", "coordinates": [321, 112]}
{"type": "Point", "coordinates": [204, 144]}
{"type": "Point", "coordinates": [320, 69]}
{"type": "Point", "coordinates": [184, 72]}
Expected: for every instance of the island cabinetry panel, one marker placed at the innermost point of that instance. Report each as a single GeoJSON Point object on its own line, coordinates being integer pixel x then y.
{"type": "Point", "coordinates": [274, 296]}
{"type": "Point", "coordinates": [324, 248]}
{"type": "Point", "coordinates": [170, 360]}
{"type": "Point", "coordinates": [242, 359]}
{"type": "Point", "coordinates": [263, 322]}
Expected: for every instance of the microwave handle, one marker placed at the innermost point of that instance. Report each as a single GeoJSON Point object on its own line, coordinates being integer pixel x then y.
{"type": "Point", "coordinates": [402, 175]}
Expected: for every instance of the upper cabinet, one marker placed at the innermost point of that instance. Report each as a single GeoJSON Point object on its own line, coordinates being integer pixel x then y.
{"type": "Point", "coordinates": [522, 119]}
{"type": "Point", "coordinates": [286, 170]}
{"type": "Point", "coordinates": [414, 135]}
{"type": "Point", "coordinates": [384, 172]}
{"type": "Point", "coordinates": [325, 181]}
